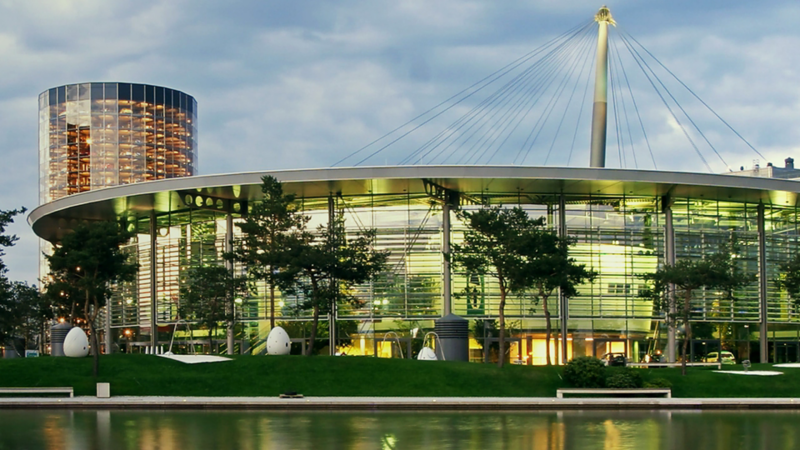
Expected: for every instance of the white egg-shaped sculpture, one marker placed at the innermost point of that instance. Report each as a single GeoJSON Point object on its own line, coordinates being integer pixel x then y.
{"type": "Point", "coordinates": [76, 345]}
{"type": "Point", "coordinates": [278, 342]}
{"type": "Point", "coordinates": [427, 354]}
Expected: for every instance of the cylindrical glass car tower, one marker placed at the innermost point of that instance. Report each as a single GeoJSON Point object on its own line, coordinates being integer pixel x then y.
{"type": "Point", "coordinates": [94, 135]}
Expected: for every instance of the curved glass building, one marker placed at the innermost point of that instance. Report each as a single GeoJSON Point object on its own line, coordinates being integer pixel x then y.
{"type": "Point", "coordinates": [94, 135]}
{"type": "Point", "coordinates": [625, 223]}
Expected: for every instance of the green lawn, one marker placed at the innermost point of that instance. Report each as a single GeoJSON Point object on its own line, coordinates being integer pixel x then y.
{"type": "Point", "coordinates": [353, 376]}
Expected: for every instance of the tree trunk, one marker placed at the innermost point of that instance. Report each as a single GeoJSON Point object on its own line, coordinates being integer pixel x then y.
{"type": "Point", "coordinates": [96, 354]}
{"type": "Point", "coordinates": [95, 341]}
{"type": "Point", "coordinates": [271, 306]}
{"type": "Point", "coordinates": [210, 340]}
{"type": "Point", "coordinates": [42, 337]}
{"type": "Point", "coordinates": [548, 327]}
{"type": "Point", "coordinates": [687, 335]}
{"type": "Point", "coordinates": [313, 338]}
{"type": "Point", "coordinates": [501, 354]}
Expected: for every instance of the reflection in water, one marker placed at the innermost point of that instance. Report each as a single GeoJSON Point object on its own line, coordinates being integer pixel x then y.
{"type": "Point", "coordinates": [252, 430]}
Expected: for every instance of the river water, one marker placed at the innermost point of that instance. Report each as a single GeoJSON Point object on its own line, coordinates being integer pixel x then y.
{"type": "Point", "coordinates": [609, 430]}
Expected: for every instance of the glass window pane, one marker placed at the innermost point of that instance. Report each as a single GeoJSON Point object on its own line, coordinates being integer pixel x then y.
{"type": "Point", "coordinates": [137, 94]}
{"type": "Point", "coordinates": [124, 91]}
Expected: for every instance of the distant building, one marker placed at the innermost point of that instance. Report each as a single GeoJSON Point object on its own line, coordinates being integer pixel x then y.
{"type": "Point", "coordinates": [770, 171]}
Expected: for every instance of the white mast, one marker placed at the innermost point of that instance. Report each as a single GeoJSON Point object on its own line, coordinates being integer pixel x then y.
{"type": "Point", "coordinates": [600, 110]}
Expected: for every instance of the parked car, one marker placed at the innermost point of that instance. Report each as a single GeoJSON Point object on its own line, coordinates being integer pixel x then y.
{"type": "Point", "coordinates": [724, 357]}
{"type": "Point", "coordinates": [614, 359]}
{"type": "Point", "coordinates": [654, 359]}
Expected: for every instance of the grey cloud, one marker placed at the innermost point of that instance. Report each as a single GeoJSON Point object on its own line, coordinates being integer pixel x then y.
{"type": "Point", "coordinates": [298, 84]}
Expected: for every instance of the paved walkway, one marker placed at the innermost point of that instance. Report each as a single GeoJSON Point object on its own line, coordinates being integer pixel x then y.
{"type": "Point", "coordinates": [398, 403]}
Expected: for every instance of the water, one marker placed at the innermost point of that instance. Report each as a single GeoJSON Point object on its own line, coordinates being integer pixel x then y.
{"type": "Point", "coordinates": [608, 430]}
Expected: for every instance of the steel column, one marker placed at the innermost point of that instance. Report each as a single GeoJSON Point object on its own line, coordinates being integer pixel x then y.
{"type": "Point", "coordinates": [762, 285]}
{"type": "Point", "coordinates": [446, 258]}
{"type": "Point", "coordinates": [153, 283]}
{"type": "Point", "coordinates": [669, 259]}
{"type": "Point", "coordinates": [332, 313]}
{"type": "Point", "coordinates": [229, 266]}
{"type": "Point", "coordinates": [564, 304]}
{"type": "Point", "coordinates": [600, 108]}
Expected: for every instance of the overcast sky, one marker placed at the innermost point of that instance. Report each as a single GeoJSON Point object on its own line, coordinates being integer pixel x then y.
{"type": "Point", "coordinates": [292, 84]}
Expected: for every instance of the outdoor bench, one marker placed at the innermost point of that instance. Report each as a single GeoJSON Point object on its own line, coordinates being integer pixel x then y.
{"type": "Point", "coordinates": [36, 390]}
{"type": "Point", "coordinates": [614, 391]}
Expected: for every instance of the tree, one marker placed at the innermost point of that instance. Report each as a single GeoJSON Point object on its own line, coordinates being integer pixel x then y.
{"type": "Point", "coordinates": [25, 312]}
{"type": "Point", "coordinates": [7, 300]}
{"type": "Point", "coordinates": [264, 227]}
{"type": "Point", "coordinates": [522, 253]}
{"type": "Point", "coordinates": [85, 265]}
{"type": "Point", "coordinates": [405, 294]}
{"type": "Point", "coordinates": [716, 271]}
{"type": "Point", "coordinates": [6, 240]}
{"type": "Point", "coordinates": [551, 269]}
{"type": "Point", "coordinates": [789, 280]}
{"type": "Point", "coordinates": [209, 296]}
{"type": "Point", "coordinates": [484, 329]}
{"type": "Point", "coordinates": [324, 267]}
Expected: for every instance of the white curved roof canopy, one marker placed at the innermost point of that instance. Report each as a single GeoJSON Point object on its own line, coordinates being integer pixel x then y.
{"type": "Point", "coordinates": [50, 220]}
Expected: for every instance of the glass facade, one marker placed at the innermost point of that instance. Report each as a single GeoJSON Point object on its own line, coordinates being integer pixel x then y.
{"type": "Point", "coordinates": [94, 135]}
{"type": "Point", "coordinates": [621, 238]}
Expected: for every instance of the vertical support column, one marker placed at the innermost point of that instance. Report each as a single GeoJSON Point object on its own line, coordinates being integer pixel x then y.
{"type": "Point", "coordinates": [762, 285]}
{"type": "Point", "coordinates": [153, 283]}
{"type": "Point", "coordinates": [332, 312]}
{"type": "Point", "coordinates": [229, 266]}
{"type": "Point", "coordinates": [564, 304]}
{"type": "Point", "coordinates": [600, 108]}
{"type": "Point", "coordinates": [446, 258]}
{"type": "Point", "coordinates": [107, 327]}
{"type": "Point", "coordinates": [669, 259]}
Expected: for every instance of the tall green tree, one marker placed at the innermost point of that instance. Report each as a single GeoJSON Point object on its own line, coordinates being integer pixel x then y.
{"type": "Point", "coordinates": [789, 279]}
{"type": "Point", "coordinates": [551, 270]}
{"type": "Point", "coordinates": [24, 314]}
{"type": "Point", "coordinates": [7, 240]}
{"type": "Point", "coordinates": [209, 296]}
{"type": "Point", "coordinates": [717, 271]}
{"type": "Point", "coordinates": [522, 254]}
{"type": "Point", "coordinates": [323, 267]}
{"type": "Point", "coordinates": [264, 227]}
{"type": "Point", "coordinates": [8, 308]}
{"type": "Point", "coordinates": [84, 267]}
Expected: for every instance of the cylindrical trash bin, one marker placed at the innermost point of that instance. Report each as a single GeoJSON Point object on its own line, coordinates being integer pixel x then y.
{"type": "Point", "coordinates": [9, 352]}
{"type": "Point", "coordinates": [453, 333]}
{"type": "Point", "coordinates": [58, 333]}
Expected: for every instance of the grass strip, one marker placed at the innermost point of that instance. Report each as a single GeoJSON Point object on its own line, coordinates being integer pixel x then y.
{"type": "Point", "coordinates": [252, 376]}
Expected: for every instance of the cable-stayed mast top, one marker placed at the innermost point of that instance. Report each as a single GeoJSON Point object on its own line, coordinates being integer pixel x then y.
{"type": "Point", "coordinates": [538, 103]}
{"type": "Point", "coordinates": [600, 107]}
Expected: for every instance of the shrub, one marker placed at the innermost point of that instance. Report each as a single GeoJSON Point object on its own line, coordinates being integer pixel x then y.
{"type": "Point", "coordinates": [585, 372]}
{"type": "Point", "coordinates": [624, 379]}
{"type": "Point", "coordinates": [658, 383]}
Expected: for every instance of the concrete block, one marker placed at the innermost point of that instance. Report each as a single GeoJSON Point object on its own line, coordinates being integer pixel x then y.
{"type": "Point", "coordinates": [103, 390]}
